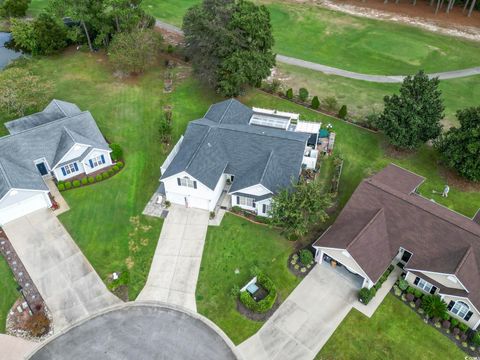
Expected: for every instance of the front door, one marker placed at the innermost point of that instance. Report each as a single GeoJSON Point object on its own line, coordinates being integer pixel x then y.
{"type": "Point", "coordinates": [42, 168]}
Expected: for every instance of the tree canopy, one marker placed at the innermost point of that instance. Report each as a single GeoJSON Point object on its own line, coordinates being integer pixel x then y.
{"type": "Point", "coordinates": [413, 117]}
{"type": "Point", "coordinates": [298, 208]}
{"type": "Point", "coordinates": [230, 43]}
{"type": "Point", "coordinates": [14, 8]}
{"type": "Point", "coordinates": [459, 148]}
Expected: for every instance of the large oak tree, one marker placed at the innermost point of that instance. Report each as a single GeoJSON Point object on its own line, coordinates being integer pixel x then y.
{"type": "Point", "coordinates": [230, 43]}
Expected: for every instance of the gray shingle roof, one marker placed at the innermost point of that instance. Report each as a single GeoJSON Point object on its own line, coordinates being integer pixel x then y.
{"type": "Point", "coordinates": [51, 141]}
{"type": "Point", "coordinates": [223, 142]}
{"type": "Point", "coordinates": [55, 110]}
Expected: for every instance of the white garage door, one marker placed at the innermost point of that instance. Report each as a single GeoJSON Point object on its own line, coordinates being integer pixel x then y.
{"type": "Point", "coordinates": [21, 208]}
{"type": "Point", "coordinates": [192, 201]}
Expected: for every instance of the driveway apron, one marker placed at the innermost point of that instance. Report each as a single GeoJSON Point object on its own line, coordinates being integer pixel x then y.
{"type": "Point", "coordinates": [175, 266]}
{"type": "Point", "coordinates": [306, 320]}
{"type": "Point", "coordinates": [67, 282]}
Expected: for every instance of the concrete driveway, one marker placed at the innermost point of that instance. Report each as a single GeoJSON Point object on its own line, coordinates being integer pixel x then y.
{"type": "Point", "coordinates": [175, 266]}
{"type": "Point", "coordinates": [306, 320]}
{"type": "Point", "coordinates": [14, 348]}
{"type": "Point", "coordinates": [67, 282]}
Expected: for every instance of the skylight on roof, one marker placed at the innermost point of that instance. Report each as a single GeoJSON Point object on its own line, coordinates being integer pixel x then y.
{"type": "Point", "coordinates": [276, 122]}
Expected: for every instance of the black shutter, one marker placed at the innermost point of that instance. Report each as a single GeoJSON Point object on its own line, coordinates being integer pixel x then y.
{"type": "Point", "coordinates": [450, 305]}
{"type": "Point", "coordinates": [432, 291]}
{"type": "Point", "coordinates": [468, 316]}
{"type": "Point", "coordinates": [264, 208]}
{"type": "Point", "coordinates": [254, 204]}
{"type": "Point", "coordinates": [194, 184]}
{"type": "Point", "coordinates": [238, 200]}
{"type": "Point", "coordinates": [178, 181]}
{"type": "Point", "coordinates": [417, 279]}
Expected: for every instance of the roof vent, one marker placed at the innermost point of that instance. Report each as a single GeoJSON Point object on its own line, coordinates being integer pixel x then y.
{"type": "Point", "coordinates": [209, 145]}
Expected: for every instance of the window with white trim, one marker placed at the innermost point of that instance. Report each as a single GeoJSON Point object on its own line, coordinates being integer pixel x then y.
{"type": "Point", "coordinates": [97, 161]}
{"type": "Point", "coordinates": [424, 285]}
{"type": "Point", "coordinates": [69, 168]}
{"type": "Point", "coordinates": [460, 309]}
{"type": "Point", "coordinates": [245, 201]}
{"type": "Point", "coordinates": [186, 182]}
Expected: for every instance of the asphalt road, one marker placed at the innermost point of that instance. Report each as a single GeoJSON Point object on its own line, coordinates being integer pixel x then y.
{"type": "Point", "coordinates": [345, 73]}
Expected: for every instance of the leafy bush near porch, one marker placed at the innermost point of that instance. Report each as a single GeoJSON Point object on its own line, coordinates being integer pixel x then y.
{"type": "Point", "coordinates": [403, 284]}
{"type": "Point", "coordinates": [68, 185]}
{"type": "Point", "coordinates": [365, 295]}
{"type": "Point", "coordinates": [434, 306]}
{"type": "Point", "coordinates": [117, 152]}
{"type": "Point", "coordinates": [84, 181]}
{"type": "Point", "coordinates": [265, 304]}
{"type": "Point", "coordinates": [306, 257]}
{"type": "Point", "coordinates": [61, 187]}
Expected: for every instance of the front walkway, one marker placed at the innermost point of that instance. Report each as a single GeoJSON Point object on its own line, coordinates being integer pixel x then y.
{"type": "Point", "coordinates": [174, 272]}
{"type": "Point", "coordinates": [14, 348]}
{"type": "Point", "coordinates": [67, 282]}
{"type": "Point", "coordinates": [306, 320]}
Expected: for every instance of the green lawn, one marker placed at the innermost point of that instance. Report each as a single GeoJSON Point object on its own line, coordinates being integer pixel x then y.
{"type": "Point", "coordinates": [393, 332]}
{"type": "Point", "coordinates": [363, 97]}
{"type": "Point", "coordinates": [36, 7]}
{"type": "Point", "coordinates": [239, 244]}
{"type": "Point", "coordinates": [8, 292]}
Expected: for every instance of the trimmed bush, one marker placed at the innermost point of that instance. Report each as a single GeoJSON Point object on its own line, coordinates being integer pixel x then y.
{"type": "Point", "coordinates": [403, 284]}
{"type": "Point", "coordinates": [454, 322]}
{"type": "Point", "coordinates": [410, 290]}
{"type": "Point", "coordinates": [365, 295]}
{"type": "Point", "coordinates": [303, 94]}
{"type": "Point", "coordinates": [120, 164]}
{"type": "Point", "coordinates": [463, 327]}
{"type": "Point", "coordinates": [476, 339]}
{"type": "Point", "coordinates": [378, 285]}
{"type": "Point", "coordinates": [61, 182]}
{"type": "Point", "coordinates": [68, 185]}
{"type": "Point", "coordinates": [117, 152]}
{"type": "Point", "coordinates": [446, 324]}
{"type": "Point", "coordinates": [61, 187]}
{"type": "Point", "coordinates": [98, 177]}
{"type": "Point", "coordinates": [342, 114]}
{"type": "Point", "coordinates": [289, 94]}
{"type": "Point", "coordinates": [115, 168]}
{"type": "Point", "coordinates": [84, 181]}
{"type": "Point", "coordinates": [434, 306]}
{"type": "Point", "coordinates": [410, 297]}
{"type": "Point", "coordinates": [315, 103]}
{"type": "Point", "coordinates": [91, 179]}
{"type": "Point", "coordinates": [105, 175]}
{"type": "Point", "coordinates": [418, 303]}
{"type": "Point", "coordinates": [110, 172]}
{"type": "Point", "coordinates": [418, 293]}
{"type": "Point", "coordinates": [391, 268]}
{"type": "Point", "coordinates": [456, 331]}
{"type": "Point", "coordinates": [306, 257]}
{"type": "Point", "coordinates": [383, 278]}
{"type": "Point", "coordinates": [76, 183]}
{"type": "Point", "coordinates": [265, 304]}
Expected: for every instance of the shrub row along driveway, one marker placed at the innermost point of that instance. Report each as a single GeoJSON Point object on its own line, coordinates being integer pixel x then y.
{"type": "Point", "coordinates": [174, 272]}
{"type": "Point", "coordinates": [306, 320]}
{"type": "Point", "coordinates": [67, 282]}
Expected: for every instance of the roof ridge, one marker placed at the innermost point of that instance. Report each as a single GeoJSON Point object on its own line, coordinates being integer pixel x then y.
{"type": "Point", "coordinates": [198, 148]}
{"type": "Point", "coordinates": [261, 134]}
{"type": "Point", "coordinates": [464, 258]}
{"type": "Point", "coordinates": [266, 166]}
{"type": "Point", "coordinates": [42, 125]}
{"type": "Point", "coordinates": [58, 106]}
{"type": "Point", "coordinates": [228, 107]}
{"type": "Point", "coordinates": [4, 173]}
{"type": "Point", "coordinates": [367, 225]}
{"type": "Point", "coordinates": [69, 133]}
{"type": "Point", "coordinates": [404, 197]}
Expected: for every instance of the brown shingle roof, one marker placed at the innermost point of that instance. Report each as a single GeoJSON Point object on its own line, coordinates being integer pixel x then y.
{"type": "Point", "coordinates": [385, 214]}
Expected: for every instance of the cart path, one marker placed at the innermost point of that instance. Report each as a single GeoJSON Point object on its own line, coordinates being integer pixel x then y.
{"type": "Point", "coordinates": [329, 70]}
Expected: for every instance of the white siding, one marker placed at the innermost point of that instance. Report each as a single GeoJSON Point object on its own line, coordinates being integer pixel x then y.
{"type": "Point", "coordinates": [260, 204]}
{"type": "Point", "coordinates": [74, 152]}
{"type": "Point", "coordinates": [93, 154]}
{"type": "Point", "coordinates": [18, 203]}
{"type": "Point", "coordinates": [257, 190]}
{"type": "Point", "coordinates": [444, 279]}
{"type": "Point", "coordinates": [59, 175]}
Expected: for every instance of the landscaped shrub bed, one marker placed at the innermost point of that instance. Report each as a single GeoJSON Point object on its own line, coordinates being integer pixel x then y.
{"type": "Point", "coordinates": [300, 263]}
{"type": "Point", "coordinates": [366, 295]}
{"type": "Point", "coordinates": [88, 180]}
{"type": "Point", "coordinates": [250, 215]}
{"type": "Point", "coordinates": [433, 310]}
{"type": "Point", "coordinates": [266, 303]}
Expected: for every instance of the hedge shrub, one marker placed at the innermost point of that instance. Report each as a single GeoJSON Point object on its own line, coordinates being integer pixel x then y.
{"type": "Point", "coordinates": [117, 152]}
{"type": "Point", "coordinates": [454, 322]}
{"type": "Point", "coordinates": [110, 172]}
{"type": "Point", "coordinates": [306, 257]}
{"type": "Point", "coordinates": [115, 168]}
{"type": "Point", "coordinates": [403, 284]}
{"type": "Point", "coordinates": [91, 179]}
{"type": "Point", "coordinates": [265, 304]}
{"type": "Point", "coordinates": [105, 175]}
{"type": "Point", "coordinates": [99, 177]}
{"type": "Point", "coordinates": [342, 114]}
{"type": "Point", "coordinates": [84, 181]}
{"type": "Point", "coordinates": [289, 94]}
{"type": "Point", "coordinates": [120, 164]}
{"type": "Point", "coordinates": [68, 185]}
{"type": "Point", "coordinates": [418, 293]}
{"type": "Point", "coordinates": [365, 295]}
{"type": "Point", "coordinates": [303, 94]}
{"type": "Point", "coordinates": [76, 183]}
{"type": "Point", "coordinates": [61, 187]}
{"type": "Point", "coordinates": [463, 327]}
{"type": "Point", "coordinates": [315, 103]}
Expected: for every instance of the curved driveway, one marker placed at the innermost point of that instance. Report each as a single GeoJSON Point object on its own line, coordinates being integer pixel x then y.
{"type": "Point", "coordinates": [345, 73]}
{"type": "Point", "coordinates": [145, 331]}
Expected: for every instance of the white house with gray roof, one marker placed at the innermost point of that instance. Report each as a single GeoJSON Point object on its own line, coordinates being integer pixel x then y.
{"type": "Point", "coordinates": [61, 142]}
{"type": "Point", "coordinates": [246, 154]}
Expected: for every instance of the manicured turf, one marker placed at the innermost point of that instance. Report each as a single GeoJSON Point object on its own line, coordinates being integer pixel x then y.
{"type": "Point", "coordinates": [363, 98]}
{"type": "Point", "coordinates": [239, 244]}
{"type": "Point", "coordinates": [393, 332]}
{"type": "Point", "coordinates": [8, 292]}
{"type": "Point", "coordinates": [332, 38]}
{"type": "Point", "coordinates": [36, 7]}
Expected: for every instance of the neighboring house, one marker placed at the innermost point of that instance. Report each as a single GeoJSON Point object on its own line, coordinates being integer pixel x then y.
{"type": "Point", "coordinates": [386, 221]}
{"type": "Point", "coordinates": [244, 154]}
{"type": "Point", "coordinates": [61, 141]}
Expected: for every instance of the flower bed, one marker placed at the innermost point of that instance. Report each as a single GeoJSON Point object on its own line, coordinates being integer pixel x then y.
{"type": "Point", "coordinates": [89, 180]}
{"type": "Point", "coordinates": [366, 295]}
{"type": "Point", "coordinates": [301, 263]}
{"type": "Point", "coordinates": [434, 313]}
{"type": "Point", "coordinates": [248, 215]}
{"type": "Point", "coordinates": [267, 302]}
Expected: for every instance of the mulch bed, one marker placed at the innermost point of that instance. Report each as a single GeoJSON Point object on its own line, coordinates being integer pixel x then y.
{"type": "Point", "coordinates": [121, 292]}
{"type": "Point", "coordinates": [297, 272]}
{"type": "Point", "coordinates": [249, 314]}
{"type": "Point", "coordinates": [458, 343]}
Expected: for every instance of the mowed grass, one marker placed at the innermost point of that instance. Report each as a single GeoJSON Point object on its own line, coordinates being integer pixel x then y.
{"type": "Point", "coordinates": [363, 98]}
{"type": "Point", "coordinates": [8, 292]}
{"type": "Point", "coordinates": [105, 219]}
{"type": "Point", "coordinates": [239, 244]}
{"type": "Point", "coordinates": [394, 332]}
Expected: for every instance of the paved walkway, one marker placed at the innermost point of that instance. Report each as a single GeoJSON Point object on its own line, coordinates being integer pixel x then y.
{"type": "Point", "coordinates": [67, 282]}
{"type": "Point", "coordinates": [14, 348]}
{"type": "Point", "coordinates": [175, 266]}
{"type": "Point", "coordinates": [345, 73]}
{"type": "Point", "coordinates": [305, 320]}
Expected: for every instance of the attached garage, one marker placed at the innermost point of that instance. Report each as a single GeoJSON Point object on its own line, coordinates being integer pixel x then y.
{"type": "Point", "coordinates": [18, 203]}
{"type": "Point", "coordinates": [188, 200]}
